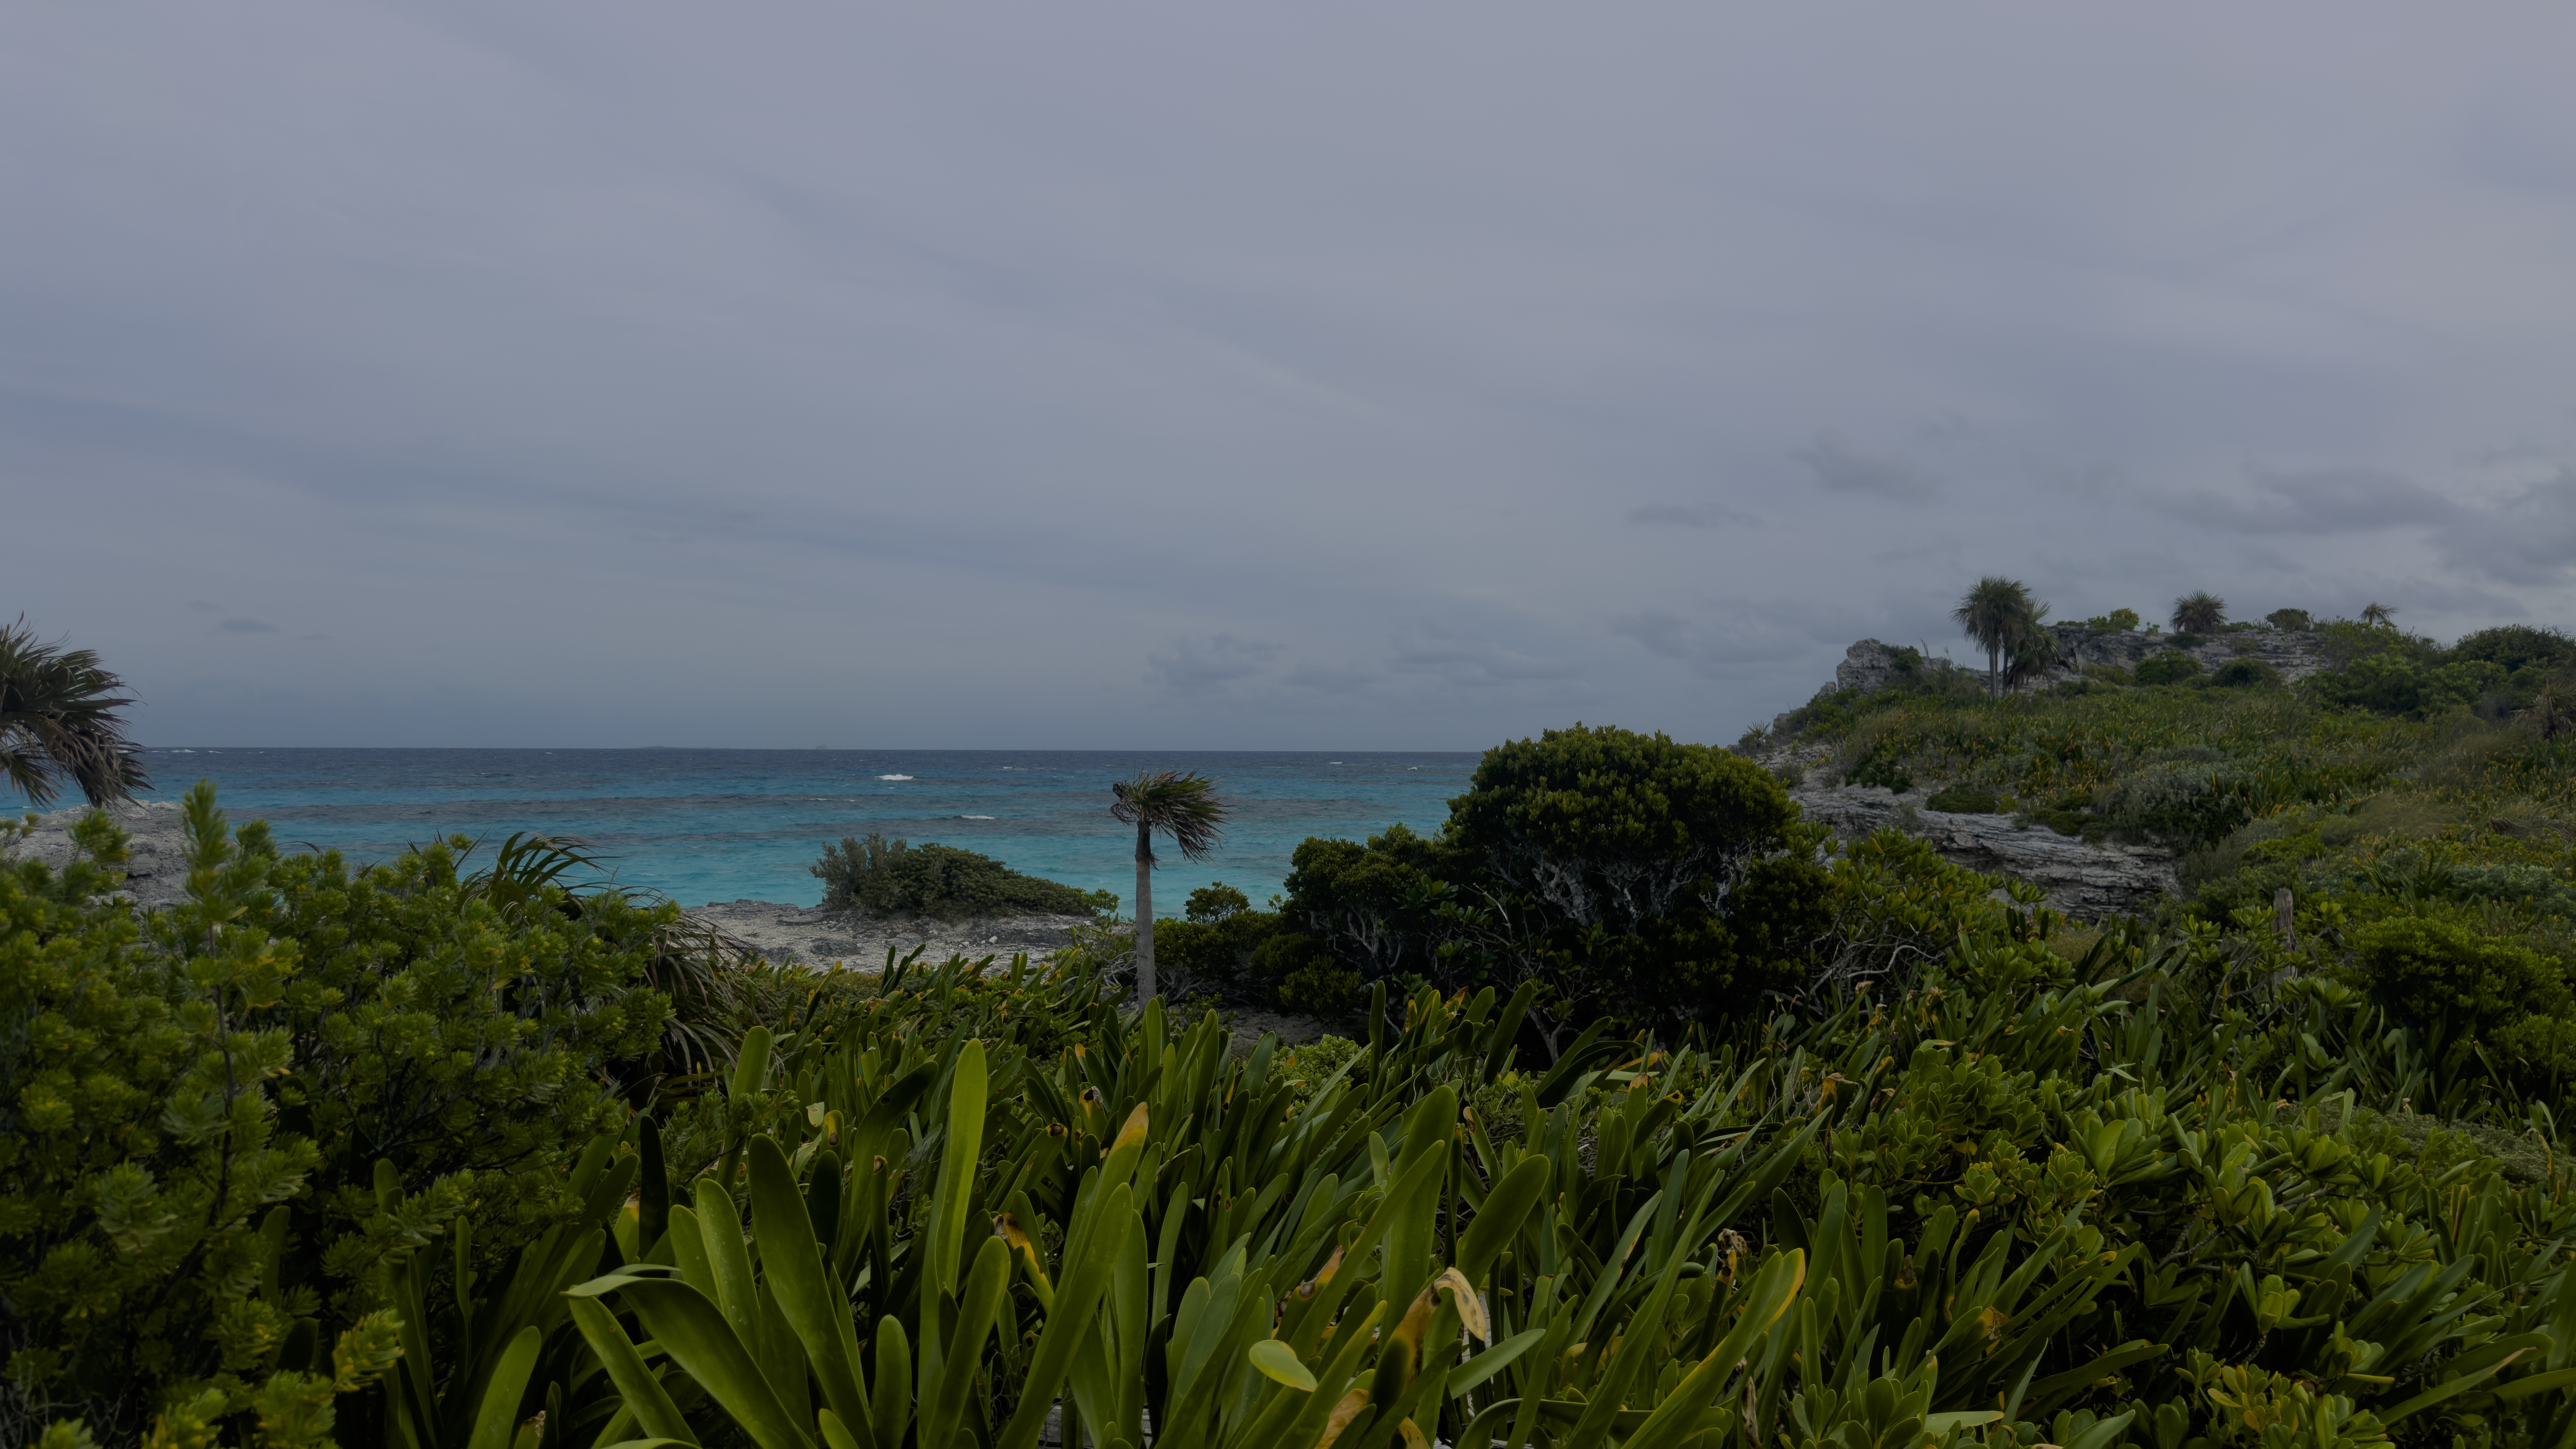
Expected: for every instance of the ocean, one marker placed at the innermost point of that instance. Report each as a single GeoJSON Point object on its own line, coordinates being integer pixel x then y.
{"type": "Point", "coordinates": [723, 825]}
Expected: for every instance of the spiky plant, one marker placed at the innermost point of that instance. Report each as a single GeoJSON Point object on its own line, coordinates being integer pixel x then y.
{"type": "Point", "coordinates": [1996, 614]}
{"type": "Point", "coordinates": [2030, 651]}
{"type": "Point", "coordinates": [1184, 807]}
{"type": "Point", "coordinates": [2378, 614]}
{"type": "Point", "coordinates": [2199, 612]}
{"type": "Point", "coordinates": [59, 722]}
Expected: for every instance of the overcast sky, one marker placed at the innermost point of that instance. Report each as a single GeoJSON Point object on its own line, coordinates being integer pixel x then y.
{"type": "Point", "coordinates": [1320, 375]}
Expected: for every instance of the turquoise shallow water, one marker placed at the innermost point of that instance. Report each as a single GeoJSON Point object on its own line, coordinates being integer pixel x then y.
{"type": "Point", "coordinates": [721, 825]}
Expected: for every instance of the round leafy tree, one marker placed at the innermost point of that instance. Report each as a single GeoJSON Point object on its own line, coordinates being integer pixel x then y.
{"type": "Point", "coordinates": [1669, 880]}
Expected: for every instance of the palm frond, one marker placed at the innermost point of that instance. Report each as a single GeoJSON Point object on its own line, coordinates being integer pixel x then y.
{"type": "Point", "coordinates": [2199, 612]}
{"type": "Point", "coordinates": [1185, 807]}
{"type": "Point", "coordinates": [59, 722]}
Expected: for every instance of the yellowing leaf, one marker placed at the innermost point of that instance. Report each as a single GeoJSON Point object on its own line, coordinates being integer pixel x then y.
{"type": "Point", "coordinates": [1471, 1308]}
{"type": "Point", "coordinates": [1343, 1412]}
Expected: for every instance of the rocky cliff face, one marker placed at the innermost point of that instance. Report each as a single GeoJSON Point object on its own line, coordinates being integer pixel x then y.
{"type": "Point", "coordinates": [2086, 881]}
{"type": "Point", "coordinates": [156, 867]}
{"type": "Point", "coordinates": [2296, 654]}
{"type": "Point", "coordinates": [1870, 665]}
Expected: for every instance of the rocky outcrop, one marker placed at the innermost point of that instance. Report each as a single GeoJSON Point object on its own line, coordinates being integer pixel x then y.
{"type": "Point", "coordinates": [156, 867]}
{"type": "Point", "coordinates": [1869, 666]}
{"type": "Point", "coordinates": [2085, 880]}
{"type": "Point", "coordinates": [2296, 654]}
{"type": "Point", "coordinates": [818, 937]}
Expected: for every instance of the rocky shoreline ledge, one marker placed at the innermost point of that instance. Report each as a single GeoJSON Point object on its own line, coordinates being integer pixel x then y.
{"type": "Point", "coordinates": [817, 937]}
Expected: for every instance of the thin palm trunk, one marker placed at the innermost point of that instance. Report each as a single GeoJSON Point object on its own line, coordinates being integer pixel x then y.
{"type": "Point", "coordinates": [1995, 670]}
{"type": "Point", "coordinates": [1144, 913]}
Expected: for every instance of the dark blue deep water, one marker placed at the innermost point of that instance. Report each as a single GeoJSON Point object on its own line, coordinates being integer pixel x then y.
{"type": "Point", "coordinates": [719, 825]}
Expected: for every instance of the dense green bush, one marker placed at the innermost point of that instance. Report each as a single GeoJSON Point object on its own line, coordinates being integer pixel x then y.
{"type": "Point", "coordinates": [1624, 873]}
{"type": "Point", "coordinates": [210, 1112]}
{"type": "Point", "coordinates": [2391, 683]}
{"type": "Point", "coordinates": [1964, 800]}
{"type": "Point", "coordinates": [2289, 620]}
{"type": "Point", "coordinates": [2437, 973]}
{"type": "Point", "coordinates": [892, 878]}
{"type": "Point", "coordinates": [2245, 674]}
{"type": "Point", "coordinates": [2170, 667]}
{"type": "Point", "coordinates": [1210, 949]}
{"type": "Point", "coordinates": [2515, 646]}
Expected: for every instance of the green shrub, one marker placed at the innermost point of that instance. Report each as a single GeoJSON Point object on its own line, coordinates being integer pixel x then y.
{"type": "Point", "coordinates": [2440, 973]}
{"type": "Point", "coordinates": [2118, 621]}
{"type": "Point", "coordinates": [2515, 646]}
{"type": "Point", "coordinates": [210, 1109]}
{"type": "Point", "coordinates": [2171, 667]}
{"type": "Point", "coordinates": [891, 878]}
{"type": "Point", "coordinates": [1623, 872]}
{"type": "Point", "coordinates": [1964, 800]}
{"type": "Point", "coordinates": [2289, 620]}
{"type": "Point", "coordinates": [2391, 683]}
{"type": "Point", "coordinates": [2246, 674]}
{"type": "Point", "coordinates": [1323, 988]}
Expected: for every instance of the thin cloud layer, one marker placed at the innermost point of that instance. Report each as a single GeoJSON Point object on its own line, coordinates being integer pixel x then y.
{"type": "Point", "coordinates": [1308, 376]}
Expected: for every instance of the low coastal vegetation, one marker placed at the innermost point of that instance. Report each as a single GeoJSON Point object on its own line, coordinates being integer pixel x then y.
{"type": "Point", "coordinates": [1662, 1120]}
{"type": "Point", "coordinates": [893, 878]}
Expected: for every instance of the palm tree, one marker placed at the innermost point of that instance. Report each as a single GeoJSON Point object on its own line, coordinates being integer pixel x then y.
{"type": "Point", "coordinates": [1997, 614]}
{"type": "Point", "coordinates": [1184, 807]}
{"type": "Point", "coordinates": [59, 722]}
{"type": "Point", "coordinates": [2378, 613]}
{"type": "Point", "coordinates": [2199, 612]}
{"type": "Point", "coordinates": [2030, 651]}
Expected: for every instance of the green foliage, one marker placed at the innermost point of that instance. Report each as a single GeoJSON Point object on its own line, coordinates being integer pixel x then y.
{"type": "Point", "coordinates": [142, 1148]}
{"type": "Point", "coordinates": [2118, 621]}
{"type": "Point", "coordinates": [1964, 800]}
{"type": "Point", "coordinates": [61, 722]}
{"type": "Point", "coordinates": [2390, 683]}
{"type": "Point", "coordinates": [2170, 667]}
{"type": "Point", "coordinates": [2246, 674]}
{"type": "Point", "coordinates": [222, 1097]}
{"type": "Point", "coordinates": [2199, 612]}
{"type": "Point", "coordinates": [2436, 973]}
{"type": "Point", "coordinates": [892, 878]}
{"type": "Point", "coordinates": [2290, 620]}
{"type": "Point", "coordinates": [2515, 646]}
{"type": "Point", "coordinates": [1976, 1187]}
{"type": "Point", "coordinates": [1619, 872]}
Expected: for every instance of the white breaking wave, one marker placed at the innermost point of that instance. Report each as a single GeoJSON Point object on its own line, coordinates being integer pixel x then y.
{"type": "Point", "coordinates": [974, 817]}
{"type": "Point", "coordinates": [894, 777]}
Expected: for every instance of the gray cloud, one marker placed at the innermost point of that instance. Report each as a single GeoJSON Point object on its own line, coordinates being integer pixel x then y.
{"type": "Point", "coordinates": [2324, 501]}
{"type": "Point", "coordinates": [858, 365]}
{"type": "Point", "coordinates": [2530, 539]}
{"type": "Point", "coordinates": [1473, 662]}
{"type": "Point", "coordinates": [1692, 515]}
{"type": "Point", "coordinates": [1724, 639]}
{"type": "Point", "coordinates": [1329, 679]}
{"type": "Point", "coordinates": [1840, 469]}
{"type": "Point", "coordinates": [247, 626]}
{"type": "Point", "coordinates": [1198, 665]}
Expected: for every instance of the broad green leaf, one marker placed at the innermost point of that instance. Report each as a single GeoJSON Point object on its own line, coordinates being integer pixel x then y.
{"type": "Point", "coordinates": [696, 1335]}
{"type": "Point", "coordinates": [793, 1262]}
{"type": "Point", "coordinates": [496, 1419]}
{"type": "Point", "coordinates": [1471, 1375]}
{"type": "Point", "coordinates": [1278, 1363]}
{"type": "Point", "coordinates": [1091, 1248]}
{"type": "Point", "coordinates": [642, 1393]}
{"type": "Point", "coordinates": [1507, 1207]}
